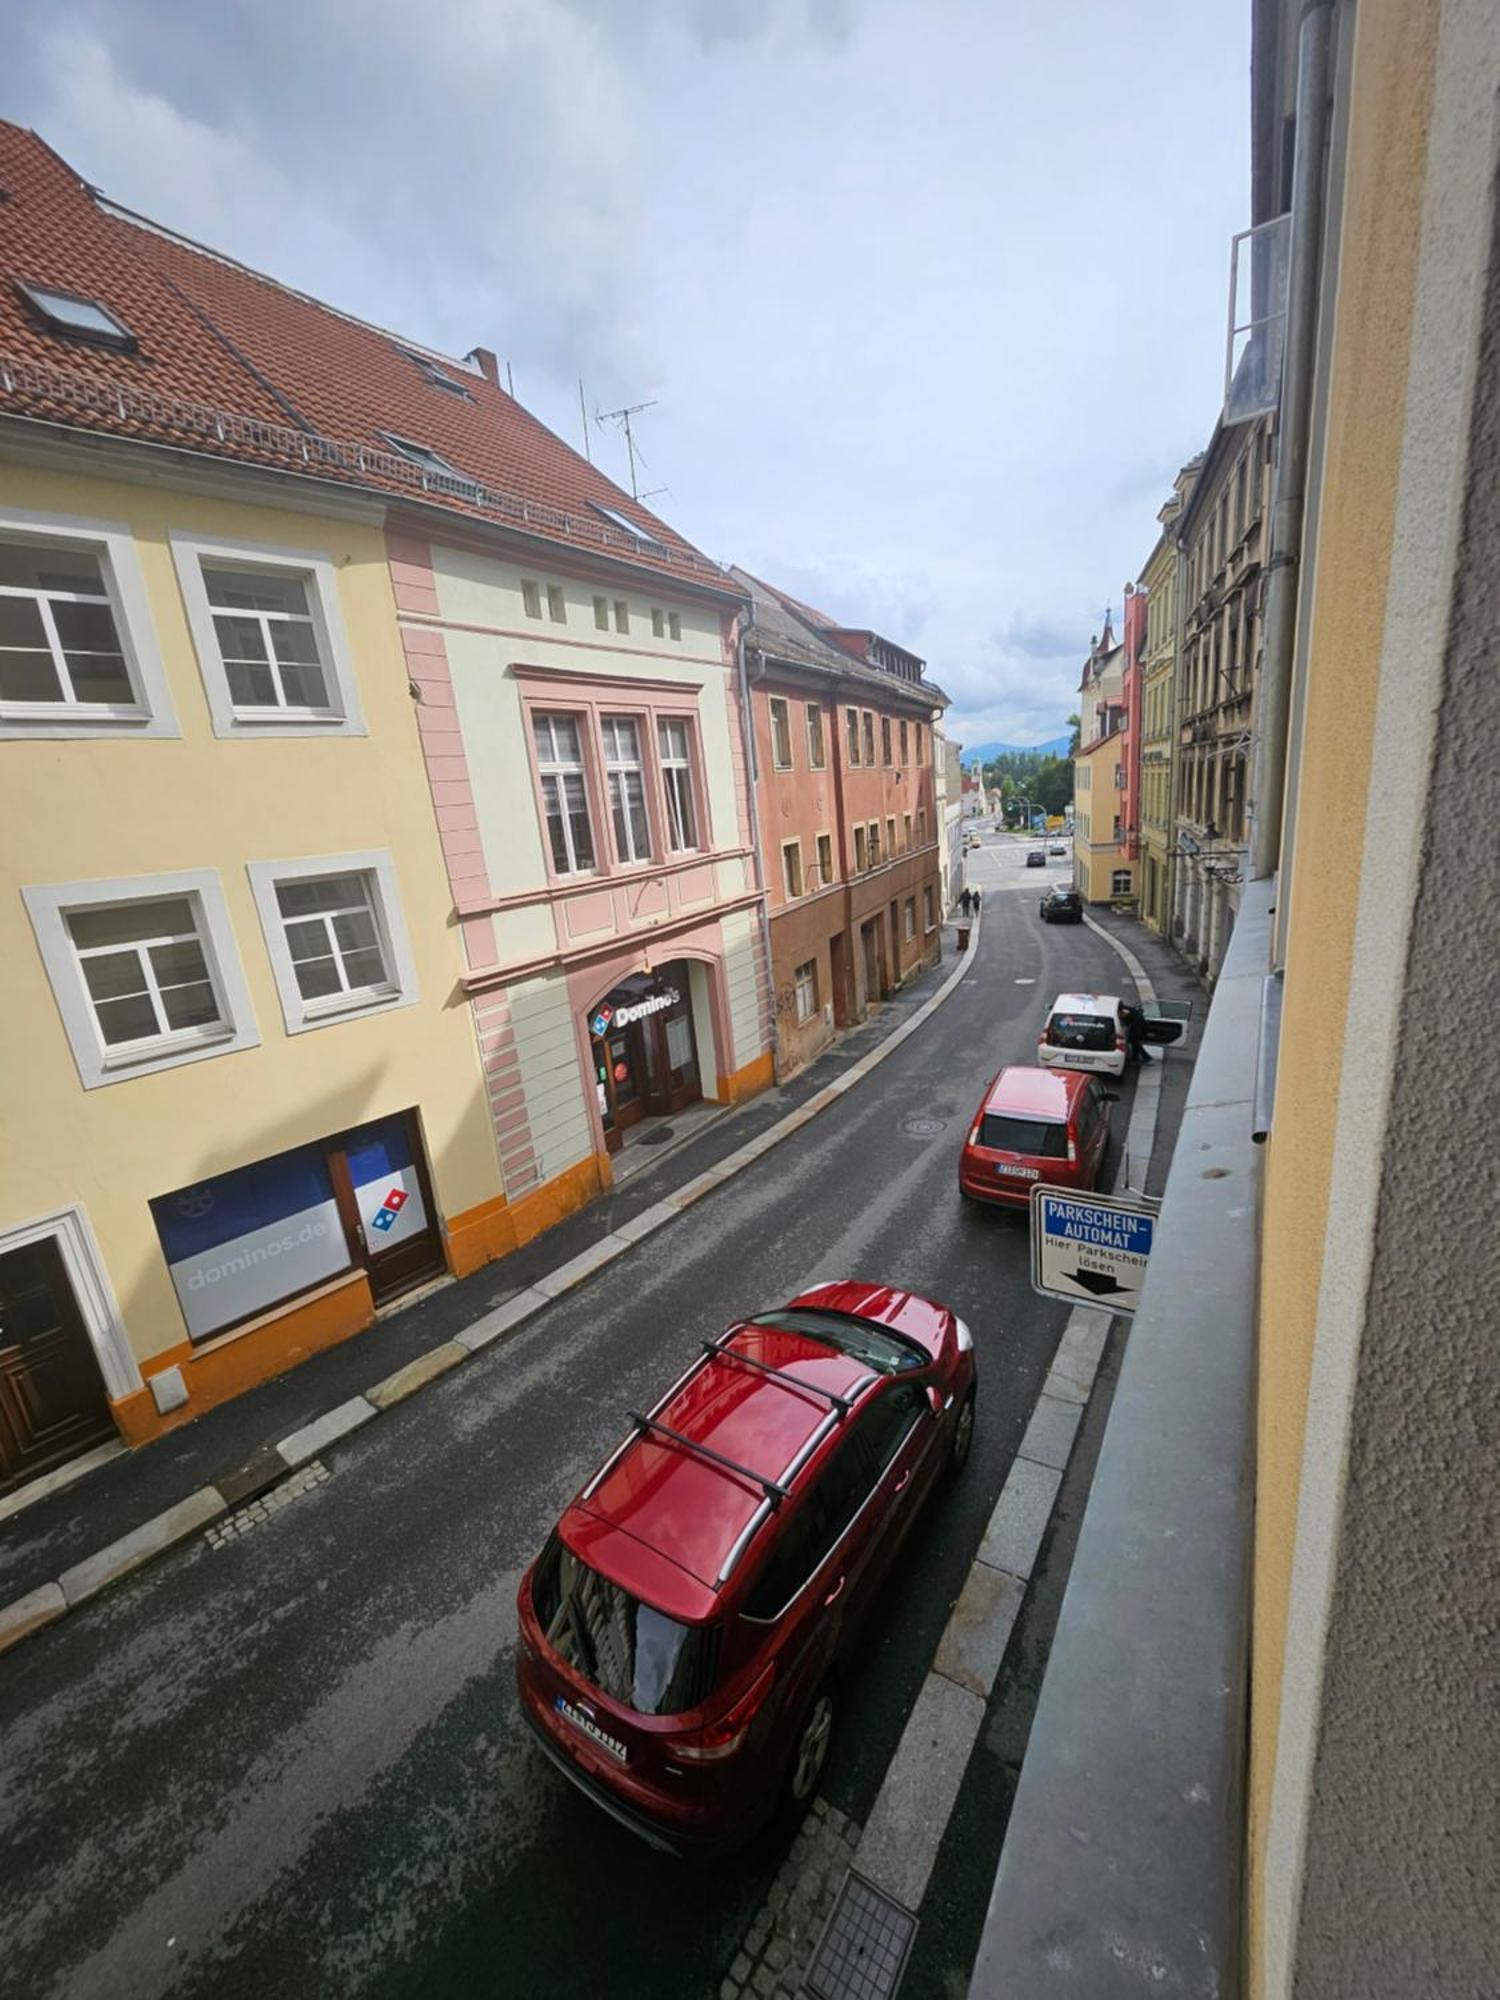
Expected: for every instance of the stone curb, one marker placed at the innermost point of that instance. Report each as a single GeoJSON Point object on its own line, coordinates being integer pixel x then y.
{"type": "Point", "coordinates": [270, 1465]}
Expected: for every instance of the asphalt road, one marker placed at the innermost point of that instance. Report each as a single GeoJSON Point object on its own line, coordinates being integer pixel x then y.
{"type": "Point", "coordinates": [293, 1766]}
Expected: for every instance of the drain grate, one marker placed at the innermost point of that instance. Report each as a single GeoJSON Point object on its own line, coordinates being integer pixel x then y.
{"type": "Point", "coordinates": [656, 1138]}
{"type": "Point", "coordinates": [924, 1128]}
{"type": "Point", "coordinates": [864, 1950]}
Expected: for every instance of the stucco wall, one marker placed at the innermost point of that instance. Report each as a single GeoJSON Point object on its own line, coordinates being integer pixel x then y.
{"type": "Point", "coordinates": [1402, 1872]}
{"type": "Point", "coordinates": [108, 808]}
{"type": "Point", "coordinates": [1390, 105]}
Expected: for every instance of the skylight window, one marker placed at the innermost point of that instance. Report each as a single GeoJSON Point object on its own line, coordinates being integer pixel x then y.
{"type": "Point", "coordinates": [432, 461]}
{"type": "Point", "coordinates": [435, 375]}
{"type": "Point", "coordinates": [85, 319]}
{"type": "Point", "coordinates": [619, 520]}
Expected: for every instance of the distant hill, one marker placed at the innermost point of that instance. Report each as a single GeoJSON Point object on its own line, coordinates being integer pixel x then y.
{"type": "Point", "coordinates": [1055, 746]}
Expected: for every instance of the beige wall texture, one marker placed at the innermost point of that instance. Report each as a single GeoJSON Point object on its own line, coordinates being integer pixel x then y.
{"type": "Point", "coordinates": [80, 810]}
{"type": "Point", "coordinates": [1368, 1849]}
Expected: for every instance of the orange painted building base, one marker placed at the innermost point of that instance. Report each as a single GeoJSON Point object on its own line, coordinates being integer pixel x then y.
{"type": "Point", "coordinates": [219, 1369]}
{"type": "Point", "coordinates": [749, 1081]}
{"type": "Point", "coordinates": [238, 1361]}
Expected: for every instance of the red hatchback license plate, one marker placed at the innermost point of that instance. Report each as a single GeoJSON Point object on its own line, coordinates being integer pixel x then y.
{"type": "Point", "coordinates": [1018, 1173]}
{"type": "Point", "coordinates": [586, 1726]}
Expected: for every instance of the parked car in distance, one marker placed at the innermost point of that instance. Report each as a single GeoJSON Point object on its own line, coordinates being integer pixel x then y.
{"type": "Point", "coordinates": [1036, 857]}
{"type": "Point", "coordinates": [1033, 1125]}
{"type": "Point", "coordinates": [1061, 905]}
{"type": "Point", "coordinates": [1093, 1031]}
{"type": "Point", "coordinates": [682, 1630]}
{"type": "Point", "coordinates": [1058, 847]}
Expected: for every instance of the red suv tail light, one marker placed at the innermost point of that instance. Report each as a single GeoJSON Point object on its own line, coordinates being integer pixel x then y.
{"type": "Point", "coordinates": [973, 1138]}
{"type": "Point", "coordinates": [724, 1737]}
{"type": "Point", "coordinates": [1072, 1152]}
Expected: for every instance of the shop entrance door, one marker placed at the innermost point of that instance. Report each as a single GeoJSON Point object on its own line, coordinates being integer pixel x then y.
{"type": "Point", "coordinates": [385, 1200]}
{"type": "Point", "coordinates": [644, 1051]}
{"type": "Point", "coordinates": [52, 1401]}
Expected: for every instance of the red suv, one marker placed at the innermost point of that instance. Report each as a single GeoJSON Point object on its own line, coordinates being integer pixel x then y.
{"type": "Point", "coordinates": [681, 1630]}
{"type": "Point", "coordinates": [1032, 1125]}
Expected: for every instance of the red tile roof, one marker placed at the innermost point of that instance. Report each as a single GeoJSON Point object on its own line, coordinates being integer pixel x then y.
{"type": "Point", "coordinates": [230, 363]}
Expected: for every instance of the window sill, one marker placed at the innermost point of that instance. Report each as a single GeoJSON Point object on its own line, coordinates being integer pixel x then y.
{"type": "Point", "coordinates": [93, 715]}
{"type": "Point", "coordinates": [347, 1007]}
{"type": "Point", "coordinates": [130, 1058]}
{"type": "Point", "coordinates": [279, 718]}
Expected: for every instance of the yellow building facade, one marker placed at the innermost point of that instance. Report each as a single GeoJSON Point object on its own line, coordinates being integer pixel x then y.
{"type": "Point", "coordinates": [248, 1106]}
{"type": "Point", "coordinates": [1159, 580]}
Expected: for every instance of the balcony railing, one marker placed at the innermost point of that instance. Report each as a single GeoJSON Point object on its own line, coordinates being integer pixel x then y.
{"type": "Point", "coordinates": [42, 390]}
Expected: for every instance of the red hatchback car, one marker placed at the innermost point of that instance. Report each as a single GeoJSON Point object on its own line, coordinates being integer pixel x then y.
{"type": "Point", "coordinates": [1034, 1125]}
{"type": "Point", "coordinates": [681, 1631]}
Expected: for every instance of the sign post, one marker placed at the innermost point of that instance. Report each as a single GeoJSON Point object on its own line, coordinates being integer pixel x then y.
{"type": "Point", "coordinates": [1091, 1249]}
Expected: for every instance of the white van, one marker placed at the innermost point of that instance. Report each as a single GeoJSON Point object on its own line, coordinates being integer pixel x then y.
{"type": "Point", "coordinates": [1091, 1031]}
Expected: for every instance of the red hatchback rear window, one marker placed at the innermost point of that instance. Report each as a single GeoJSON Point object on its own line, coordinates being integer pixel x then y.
{"type": "Point", "coordinates": [627, 1650]}
{"type": "Point", "coordinates": [1038, 1138]}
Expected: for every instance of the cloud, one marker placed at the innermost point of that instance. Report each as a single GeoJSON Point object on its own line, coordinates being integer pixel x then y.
{"type": "Point", "coordinates": [928, 312]}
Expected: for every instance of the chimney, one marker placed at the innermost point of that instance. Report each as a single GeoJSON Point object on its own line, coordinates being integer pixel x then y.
{"type": "Point", "coordinates": [489, 364]}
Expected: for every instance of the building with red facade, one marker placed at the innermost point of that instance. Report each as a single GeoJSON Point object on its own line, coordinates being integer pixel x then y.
{"type": "Point", "coordinates": [846, 803]}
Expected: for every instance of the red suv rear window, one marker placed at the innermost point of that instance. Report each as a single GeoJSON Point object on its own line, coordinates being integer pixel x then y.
{"type": "Point", "coordinates": [625, 1648]}
{"type": "Point", "coordinates": [1040, 1138]}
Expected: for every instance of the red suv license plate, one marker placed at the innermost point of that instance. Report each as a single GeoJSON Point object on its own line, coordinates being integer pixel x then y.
{"type": "Point", "coordinates": [1020, 1173]}
{"type": "Point", "coordinates": [586, 1726]}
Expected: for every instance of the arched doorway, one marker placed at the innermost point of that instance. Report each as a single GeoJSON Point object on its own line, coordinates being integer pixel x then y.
{"type": "Point", "coordinates": [644, 1050]}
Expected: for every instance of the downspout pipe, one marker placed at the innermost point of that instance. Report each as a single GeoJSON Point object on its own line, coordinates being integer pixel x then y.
{"type": "Point", "coordinates": [1288, 491]}
{"type": "Point", "coordinates": [752, 780]}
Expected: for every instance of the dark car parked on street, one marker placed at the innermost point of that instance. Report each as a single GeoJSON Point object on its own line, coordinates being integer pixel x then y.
{"type": "Point", "coordinates": [1061, 906]}
{"type": "Point", "coordinates": [681, 1632]}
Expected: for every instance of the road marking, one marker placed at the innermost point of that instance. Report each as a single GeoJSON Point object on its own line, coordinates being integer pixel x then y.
{"type": "Point", "coordinates": [1026, 982]}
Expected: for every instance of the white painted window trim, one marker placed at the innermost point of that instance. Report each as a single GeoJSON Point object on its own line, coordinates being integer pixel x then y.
{"type": "Point", "coordinates": [125, 585]}
{"type": "Point", "coordinates": [378, 867]}
{"type": "Point", "coordinates": [792, 895]}
{"type": "Point", "coordinates": [47, 907]}
{"type": "Point", "coordinates": [92, 1289]}
{"type": "Point", "coordinates": [345, 717]}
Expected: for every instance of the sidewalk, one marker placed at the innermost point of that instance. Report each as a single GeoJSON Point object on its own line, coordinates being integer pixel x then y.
{"type": "Point", "coordinates": [64, 1528]}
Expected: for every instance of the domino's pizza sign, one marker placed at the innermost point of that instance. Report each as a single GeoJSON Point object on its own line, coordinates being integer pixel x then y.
{"type": "Point", "coordinates": [384, 1218]}
{"type": "Point", "coordinates": [601, 1020]}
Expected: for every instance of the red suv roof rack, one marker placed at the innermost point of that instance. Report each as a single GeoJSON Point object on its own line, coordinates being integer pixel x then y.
{"type": "Point", "coordinates": [772, 1489]}
{"type": "Point", "coordinates": [717, 1351]}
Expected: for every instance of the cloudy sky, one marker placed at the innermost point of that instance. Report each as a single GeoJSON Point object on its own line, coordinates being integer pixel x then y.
{"type": "Point", "coordinates": [929, 294]}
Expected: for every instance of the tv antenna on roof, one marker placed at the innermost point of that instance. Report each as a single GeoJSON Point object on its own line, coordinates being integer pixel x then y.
{"type": "Point", "coordinates": [622, 419]}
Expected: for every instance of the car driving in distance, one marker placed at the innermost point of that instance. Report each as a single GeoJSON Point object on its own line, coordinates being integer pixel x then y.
{"type": "Point", "coordinates": [1058, 847]}
{"type": "Point", "coordinates": [684, 1629]}
{"type": "Point", "coordinates": [1061, 905]}
{"type": "Point", "coordinates": [1049, 1125]}
{"type": "Point", "coordinates": [1036, 857]}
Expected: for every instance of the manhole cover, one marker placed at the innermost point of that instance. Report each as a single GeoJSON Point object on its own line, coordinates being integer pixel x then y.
{"type": "Point", "coordinates": [656, 1138]}
{"type": "Point", "coordinates": [924, 1128]}
{"type": "Point", "coordinates": [864, 1950]}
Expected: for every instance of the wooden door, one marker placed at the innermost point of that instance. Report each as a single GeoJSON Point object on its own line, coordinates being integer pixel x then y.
{"type": "Point", "coordinates": [52, 1401]}
{"type": "Point", "coordinates": [385, 1198]}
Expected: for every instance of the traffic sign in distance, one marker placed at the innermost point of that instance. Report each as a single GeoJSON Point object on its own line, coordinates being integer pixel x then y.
{"type": "Point", "coordinates": [1091, 1249]}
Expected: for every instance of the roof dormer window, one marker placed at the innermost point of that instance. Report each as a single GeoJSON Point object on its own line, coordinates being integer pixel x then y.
{"type": "Point", "coordinates": [618, 520]}
{"type": "Point", "coordinates": [435, 375]}
{"type": "Point", "coordinates": [432, 461]}
{"type": "Point", "coordinates": [80, 319]}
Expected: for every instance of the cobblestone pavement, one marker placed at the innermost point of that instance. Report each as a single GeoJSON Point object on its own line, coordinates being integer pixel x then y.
{"type": "Point", "coordinates": [245, 1520]}
{"type": "Point", "coordinates": [776, 1952]}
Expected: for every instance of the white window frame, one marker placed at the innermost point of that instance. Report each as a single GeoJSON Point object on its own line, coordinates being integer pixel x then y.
{"type": "Point", "coordinates": [112, 544]}
{"type": "Point", "coordinates": [806, 1009]}
{"type": "Point", "coordinates": [789, 848]}
{"type": "Point", "coordinates": [826, 877]}
{"type": "Point", "coordinates": [669, 763]}
{"type": "Point", "coordinates": [817, 756]}
{"type": "Point", "coordinates": [547, 767]}
{"type": "Point", "coordinates": [773, 702]}
{"type": "Point", "coordinates": [49, 906]}
{"type": "Point", "coordinates": [621, 767]}
{"type": "Point", "coordinates": [1116, 876]}
{"type": "Point", "coordinates": [379, 870]}
{"type": "Point", "coordinates": [908, 920]}
{"type": "Point", "coordinates": [929, 907]}
{"type": "Point", "coordinates": [344, 716]}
